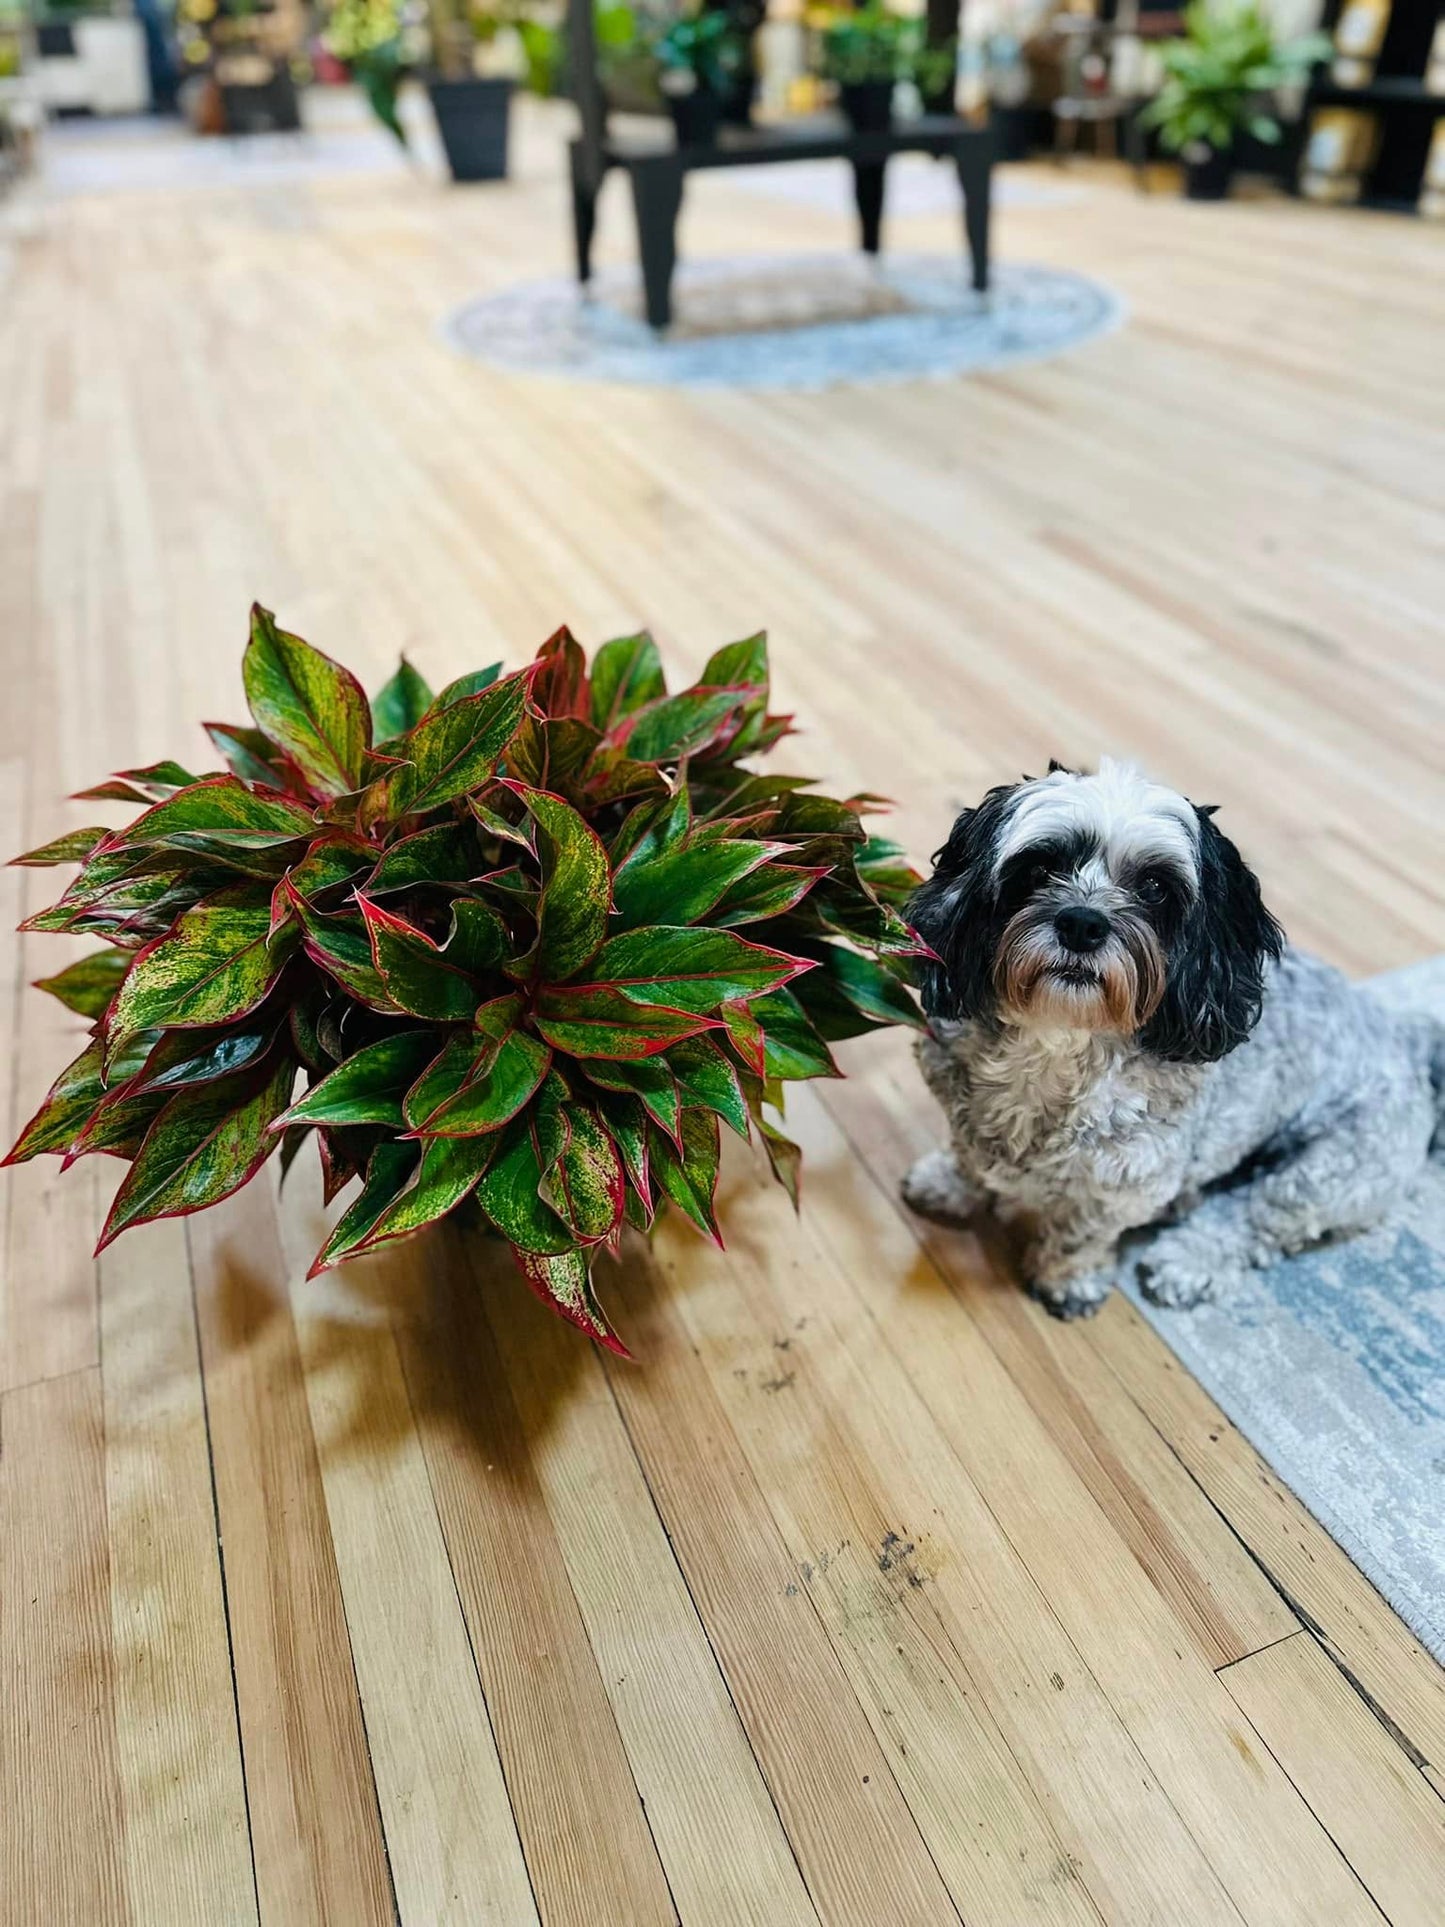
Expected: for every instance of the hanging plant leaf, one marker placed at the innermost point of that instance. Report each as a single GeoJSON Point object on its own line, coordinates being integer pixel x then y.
{"type": "Point", "coordinates": [651, 1081]}
{"type": "Point", "coordinates": [707, 1079]}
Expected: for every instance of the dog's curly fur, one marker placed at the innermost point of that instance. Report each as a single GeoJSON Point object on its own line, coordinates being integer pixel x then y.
{"type": "Point", "coordinates": [1120, 1037]}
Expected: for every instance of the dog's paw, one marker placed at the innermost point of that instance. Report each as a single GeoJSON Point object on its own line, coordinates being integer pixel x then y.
{"type": "Point", "coordinates": [1184, 1266]}
{"type": "Point", "coordinates": [934, 1189]}
{"type": "Point", "coordinates": [1073, 1298]}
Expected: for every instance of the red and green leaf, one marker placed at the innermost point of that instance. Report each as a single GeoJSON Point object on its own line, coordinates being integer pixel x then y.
{"type": "Point", "coordinates": [792, 1048]}
{"type": "Point", "coordinates": [80, 1088]}
{"type": "Point", "coordinates": [576, 887]}
{"type": "Point", "coordinates": [477, 1084]}
{"type": "Point", "coordinates": [218, 813]}
{"type": "Point", "coordinates": [400, 703]}
{"type": "Point", "coordinates": [204, 1145]}
{"type": "Point", "coordinates": [250, 754]}
{"type": "Point", "coordinates": [688, 969]}
{"type": "Point", "coordinates": [74, 847]}
{"type": "Point", "coordinates": [445, 854]}
{"type": "Point", "coordinates": [340, 946]}
{"type": "Point", "coordinates": [626, 675]}
{"type": "Point", "coordinates": [600, 1020]}
{"type": "Point", "coordinates": [650, 1080]}
{"type": "Point", "coordinates": [689, 1178]}
{"type": "Point", "coordinates": [389, 1173]}
{"type": "Point", "coordinates": [706, 1078]}
{"type": "Point", "coordinates": [309, 706]}
{"type": "Point", "coordinates": [585, 1186]}
{"type": "Point", "coordinates": [217, 963]}
{"type": "Point", "coordinates": [565, 1283]}
{"type": "Point", "coordinates": [454, 749]}
{"type": "Point", "coordinates": [87, 985]}
{"type": "Point", "coordinates": [369, 1087]}
{"type": "Point", "coordinates": [681, 884]}
{"type": "Point", "coordinates": [673, 727]}
{"type": "Point", "coordinates": [510, 1192]}
{"type": "Point", "coordinates": [417, 977]}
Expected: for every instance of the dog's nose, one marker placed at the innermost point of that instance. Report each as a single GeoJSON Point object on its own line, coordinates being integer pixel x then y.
{"type": "Point", "coordinates": [1080, 929]}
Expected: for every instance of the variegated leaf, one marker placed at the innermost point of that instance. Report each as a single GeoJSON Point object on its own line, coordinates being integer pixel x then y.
{"type": "Point", "coordinates": [314, 710]}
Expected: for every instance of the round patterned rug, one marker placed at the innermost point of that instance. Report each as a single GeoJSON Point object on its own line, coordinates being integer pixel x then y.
{"type": "Point", "coordinates": [790, 321]}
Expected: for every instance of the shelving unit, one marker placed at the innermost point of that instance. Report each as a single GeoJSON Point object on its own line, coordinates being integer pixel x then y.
{"type": "Point", "coordinates": [1397, 94]}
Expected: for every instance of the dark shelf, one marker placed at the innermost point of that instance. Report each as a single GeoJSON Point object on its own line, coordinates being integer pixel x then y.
{"type": "Point", "coordinates": [1397, 92]}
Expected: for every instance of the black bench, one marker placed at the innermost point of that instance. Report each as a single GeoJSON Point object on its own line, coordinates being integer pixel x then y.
{"type": "Point", "coordinates": [656, 167]}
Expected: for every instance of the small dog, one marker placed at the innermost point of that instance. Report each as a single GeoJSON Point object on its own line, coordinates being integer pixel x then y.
{"type": "Point", "coordinates": [1120, 1036]}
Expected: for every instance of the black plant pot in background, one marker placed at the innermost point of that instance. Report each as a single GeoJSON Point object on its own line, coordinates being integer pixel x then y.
{"type": "Point", "coordinates": [472, 119]}
{"type": "Point", "coordinates": [867, 104]}
{"type": "Point", "coordinates": [696, 117]}
{"type": "Point", "coordinates": [1207, 172]}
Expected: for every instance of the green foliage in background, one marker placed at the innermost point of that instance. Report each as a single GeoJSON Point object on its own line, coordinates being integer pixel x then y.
{"type": "Point", "coordinates": [867, 43]}
{"type": "Point", "coordinates": [528, 942]}
{"type": "Point", "coordinates": [701, 43]}
{"type": "Point", "coordinates": [1222, 76]}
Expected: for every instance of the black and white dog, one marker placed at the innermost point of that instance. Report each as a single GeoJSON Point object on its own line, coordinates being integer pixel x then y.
{"type": "Point", "coordinates": [1119, 1036]}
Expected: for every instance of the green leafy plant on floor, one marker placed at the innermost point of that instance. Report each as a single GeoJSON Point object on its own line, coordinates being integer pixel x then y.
{"type": "Point", "coordinates": [701, 43]}
{"type": "Point", "coordinates": [528, 942]}
{"type": "Point", "coordinates": [1222, 76]}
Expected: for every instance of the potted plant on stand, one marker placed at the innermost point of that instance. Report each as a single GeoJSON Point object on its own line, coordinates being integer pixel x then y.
{"type": "Point", "coordinates": [1220, 81]}
{"type": "Point", "coordinates": [696, 56]}
{"type": "Point", "coordinates": [863, 51]}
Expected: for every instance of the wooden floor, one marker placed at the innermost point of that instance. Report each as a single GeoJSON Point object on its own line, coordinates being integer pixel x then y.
{"type": "Point", "coordinates": [868, 1595]}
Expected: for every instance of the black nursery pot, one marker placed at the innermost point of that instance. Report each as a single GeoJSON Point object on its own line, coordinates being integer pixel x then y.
{"type": "Point", "coordinates": [1207, 177]}
{"type": "Point", "coordinates": [868, 105]}
{"type": "Point", "coordinates": [472, 118]}
{"type": "Point", "coordinates": [696, 117]}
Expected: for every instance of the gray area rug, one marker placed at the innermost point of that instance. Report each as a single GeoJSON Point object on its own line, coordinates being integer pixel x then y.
{"type": "Point", "coordinates": [1332, 1364]}
{"type": "Point", "coordinates": [788, 322]}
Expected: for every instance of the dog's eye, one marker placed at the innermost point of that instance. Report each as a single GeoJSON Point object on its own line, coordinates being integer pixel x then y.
{"type": "Point", "coordinates": [1152, 890]}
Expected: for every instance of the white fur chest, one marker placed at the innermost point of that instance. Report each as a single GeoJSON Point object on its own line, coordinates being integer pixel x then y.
{"type": "Point", "coordinates": [1037, 1113]}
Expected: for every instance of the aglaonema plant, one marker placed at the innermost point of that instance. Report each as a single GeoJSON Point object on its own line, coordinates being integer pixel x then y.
{"type": "Point", "coordinates": [527, 942]}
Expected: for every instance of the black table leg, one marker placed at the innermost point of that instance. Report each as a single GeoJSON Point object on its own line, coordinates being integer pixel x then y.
{"type": "Point", "coordinates": [657, 198]}
{"type": "Point", "coordinates": [868, 188]}
{"type": "Point", "coordinates": [584, 211]}
{"type": "Point", "coordinates": [975, 168]}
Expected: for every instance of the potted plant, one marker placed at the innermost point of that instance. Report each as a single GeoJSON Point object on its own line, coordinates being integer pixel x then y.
{"type": "Point", "coordinates": [367, 37]}
{"type": "Point", "coordinates": [697, 54]}
{"type": "Point", "coordinates": [1220, 79]}
{"type": "Point", "coordinates": [472, 107]}
{"type": "Point", "coordinates": [524, 944]}
{"type": "Point", "coordinates": [863, 51]}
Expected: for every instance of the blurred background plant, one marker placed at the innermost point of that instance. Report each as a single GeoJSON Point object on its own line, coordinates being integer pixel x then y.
{"type": "Point", "coordinates": [368, 37]}
{"type": "Point", "coordinates": [1221, 78]}
{"type": "Point", "coordinates": [868, 43]}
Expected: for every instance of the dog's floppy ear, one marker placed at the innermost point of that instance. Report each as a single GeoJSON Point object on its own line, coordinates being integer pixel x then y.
{"type": "Point", "coordinates": [954, 912]}
{"type": "Point", "coordinates": [1216, 971]}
